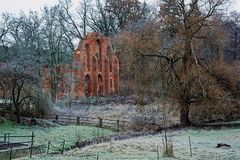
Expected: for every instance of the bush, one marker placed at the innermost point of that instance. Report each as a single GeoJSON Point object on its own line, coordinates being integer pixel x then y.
{"type": "Point", "coordinates": [38, 106]}
{"type": "Point", "coordinates": [148, 117]}
{"type": "Point", "coordinates": [221, 110]}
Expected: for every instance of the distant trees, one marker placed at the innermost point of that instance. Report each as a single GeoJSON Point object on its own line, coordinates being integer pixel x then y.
{"type": "Point", "coordinates": [109, 17]}
{"type": "Point", "coordinates": [74, 26]}
{"type": "Point", "coordinates": [4, 29]}
{"type": "Point", "coordinates": [139, 74]}
{"type": "Point", "coordinates": [172, 50]}
{"type": "Point", "coordinates": [232, 25]}
{"type": "Point", "coordinates": [83, 12]}
{"type": "Point", "coordinates": [62, 28]}
{"type": "Point", "coordinates": [21, 63]}
{"type": "Point", "coordinates": [58, 46]}
{"type": "Point", "coordinates": [125, 11]}
{"type": "Point", "coordinates": [100, 21]}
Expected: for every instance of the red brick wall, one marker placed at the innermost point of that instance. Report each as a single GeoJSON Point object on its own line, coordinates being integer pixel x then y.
{"type": "Point", "coordinates": [94, 69]}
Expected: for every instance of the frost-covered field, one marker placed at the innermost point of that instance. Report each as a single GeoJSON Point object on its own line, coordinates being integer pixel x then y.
{"type": "Point", "coordinates": [145, 148]}
{"type": "Point", "coordinates": [71, 134]}
{"type": "Point", "coordinates": [131, 112]}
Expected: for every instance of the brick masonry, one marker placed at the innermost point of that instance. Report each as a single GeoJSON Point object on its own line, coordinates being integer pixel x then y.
{"type": "Point", "coordinates": [94, 72]}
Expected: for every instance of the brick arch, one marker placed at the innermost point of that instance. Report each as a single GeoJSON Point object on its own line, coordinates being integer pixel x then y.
{"type": "Point", "coordinates": [100, 85]}
{"type": "Point", "coordinates": [106, 76]}
{"type": "Point", "coordinates": [116, 74]}
{"type": "Point", "coordinates": [87, 85]}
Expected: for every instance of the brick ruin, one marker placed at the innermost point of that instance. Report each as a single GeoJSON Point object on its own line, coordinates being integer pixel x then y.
{"type": "Point", "coordinates": [94, 72]}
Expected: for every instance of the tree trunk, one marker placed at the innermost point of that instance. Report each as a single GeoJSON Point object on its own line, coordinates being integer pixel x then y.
{"type": "Point", "coordinates": [185, 88]}
{"type": "Point", "coordinates": [18, 118]}
{"type": "Point", "coordinates": [234, 55]}
{"type": "Point", "coordinates": [187, 57]}
{"type": "Point", "coordinates": [184, 114]}
{"type": "Point", "coordinates": [54, 96]}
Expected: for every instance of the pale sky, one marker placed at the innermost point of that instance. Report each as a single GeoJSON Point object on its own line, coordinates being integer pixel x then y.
{"type": "Point", "coordinates": [15, 6]}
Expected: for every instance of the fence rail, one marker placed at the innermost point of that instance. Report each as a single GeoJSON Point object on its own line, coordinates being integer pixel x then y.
{"type": "Point", "coordinates": [8, 142]}
{"type": "Point", "coordinates": [118, 125]}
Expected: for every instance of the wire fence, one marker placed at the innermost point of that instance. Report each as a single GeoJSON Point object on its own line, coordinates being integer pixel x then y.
{"type": "Point", "coordinates": [53, 149]}
{"type": "Point", "coordinates": [156, 152]}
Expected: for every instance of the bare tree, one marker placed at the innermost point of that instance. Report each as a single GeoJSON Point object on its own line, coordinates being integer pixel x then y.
{"type": "Point", "coordinates": [100, 21]}
{"type": "Point", "coordinates": [20, 70]}
{"type": "Point", "coordinates": [4, 26]}
{"type": "Point", "coordinates": [4, 29]}
{"type": "Point", "coordinates": [57, 47]}
{"type": "Point", "coordinates": [83, 12]}
{"type": "Point", "coordinates": [109, 17]}
{"type": "Point", "coordinates": [125, 11]}
{"type": "Point", "coordinates": [71, 25]}
{"type": "Point", "coordinates": [184, 22]}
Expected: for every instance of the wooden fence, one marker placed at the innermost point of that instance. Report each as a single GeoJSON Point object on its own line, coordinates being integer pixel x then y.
{"type": "Point", "coordinates": [118, 125]}
{"type": "Point", "coordinates": [8, 142]}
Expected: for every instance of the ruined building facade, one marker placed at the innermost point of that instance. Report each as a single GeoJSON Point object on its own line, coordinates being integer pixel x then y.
{"type": "Point", "coordinates": [94, 72]}
{"type": "Point", "coordinates": [96, 67]}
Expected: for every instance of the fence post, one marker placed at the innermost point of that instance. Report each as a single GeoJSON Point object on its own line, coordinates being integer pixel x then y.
{"type": "Point", "coordinates": [8, 139]}
{"type": "Point", "coordinates": [110, 145]}
{"type": "Point", "coordinates": [118, 126]}
{"type": "Point", "coordinates": [31, 147]}
{"type": "Point", "coordinates": [78, 120]}
{"type": "Point", "coordinates": [190, 146]}
{"type": "Point", "coordinates": [100, 122]}
{"type": "Point", "coordinates": [63, 146]}
{"type": "Point", "coordinates": [10, 157]}
{"type": "Point", "coordinates": [48, 147]}
{"type": "Point", "coordinates": [56, 117]}
{"type": "Point", "coordinates": [5, 138]}
{"type": "Point", "coordinates": [97, 155]}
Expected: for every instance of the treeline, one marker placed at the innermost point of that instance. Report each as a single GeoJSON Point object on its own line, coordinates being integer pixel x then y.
{"type": "Point", "coordinates": [187, 53]}
{"type": "Point", "coordinates": [31, 42]}
{"type": "Point", "coordinates": [173, 49]}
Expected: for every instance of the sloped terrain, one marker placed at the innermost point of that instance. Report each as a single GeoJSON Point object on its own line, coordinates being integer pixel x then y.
{"type": "Point", "coordinates": [204, 144]}
{"type": "Point", "coordinates": [71, 134]}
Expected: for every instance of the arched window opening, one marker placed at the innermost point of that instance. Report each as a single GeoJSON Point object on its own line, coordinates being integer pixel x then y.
{"type": "Point", "coordinates": [87, 86]}
{"type": "Point", "coordinates": [115, 74]}
{"type": "Point", "coordinates": [99, 51]}
{"type": "Point", "coordinates": [106, 75]}
{"type": "Point", "coordinates": [111, 86]}
{"type": "Point", "coordinates": [94, 63]}
{"type": "Point", "coordinates": [100, 85]}
{"type": "Point", "coordinates": [106, 65]}
{"type": "Point", "coordinates": [109, 55]}
{"type": "Point", "coordinates": [88, 56]}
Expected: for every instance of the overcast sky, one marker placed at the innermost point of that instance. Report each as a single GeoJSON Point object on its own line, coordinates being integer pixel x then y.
{"type": "Point", "coordinates": [15, 6]}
